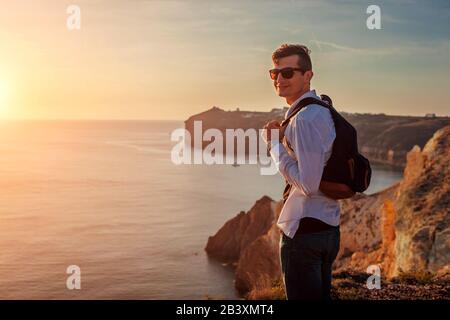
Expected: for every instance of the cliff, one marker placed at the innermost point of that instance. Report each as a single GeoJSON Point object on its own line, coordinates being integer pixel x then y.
{"type": "Point", "coordinates": [239, 233]}
{"type": "Point", "coordinates": [249, 241]}
{"type": "Point", "coordinates": [382, 138]}
{"type": "Point", "coordinates": [404, 229]}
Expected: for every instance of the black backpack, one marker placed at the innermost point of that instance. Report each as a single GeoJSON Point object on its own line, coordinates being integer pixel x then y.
{"type": "Point", "coordinates": [346, 171]}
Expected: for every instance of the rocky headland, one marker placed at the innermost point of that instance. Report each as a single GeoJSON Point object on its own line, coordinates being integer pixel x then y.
{"type": "Point", "coordinates": [404, 229]}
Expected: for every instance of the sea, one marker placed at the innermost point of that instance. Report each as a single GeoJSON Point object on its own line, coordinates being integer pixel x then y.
{"type": "Point", "coordinates": [98, 210]}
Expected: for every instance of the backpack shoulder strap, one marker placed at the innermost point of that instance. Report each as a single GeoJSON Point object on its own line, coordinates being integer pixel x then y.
{"type": "Point", "coordinates": [303, 103]}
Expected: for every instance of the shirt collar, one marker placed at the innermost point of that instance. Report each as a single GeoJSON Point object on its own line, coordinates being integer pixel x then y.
{"type": "Point", "coordinates": [308, 94]}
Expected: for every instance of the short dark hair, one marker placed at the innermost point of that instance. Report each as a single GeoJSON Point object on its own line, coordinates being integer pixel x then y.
{"type": "Point", "coordinates": [302, 51]}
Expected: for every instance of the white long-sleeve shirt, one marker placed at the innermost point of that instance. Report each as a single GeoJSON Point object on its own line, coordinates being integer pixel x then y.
{"type": "Point", "coordinates": [310, 134]}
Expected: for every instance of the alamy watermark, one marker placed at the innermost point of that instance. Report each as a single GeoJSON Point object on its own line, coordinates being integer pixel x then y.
{"type": "Point", "coordinates": [191, 150]}
{"type": "Point", "coordinates": [73, 21]}
{"type": "Point", "coordinates": [373, 21]}
{"type": "Point", "coordinates": [374, 281]}
{"type": "Point", "coordinates": [74, 280]}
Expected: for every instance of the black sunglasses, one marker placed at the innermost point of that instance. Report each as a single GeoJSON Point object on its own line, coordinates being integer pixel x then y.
{"type": "Point", "coordinates": [287, 73]}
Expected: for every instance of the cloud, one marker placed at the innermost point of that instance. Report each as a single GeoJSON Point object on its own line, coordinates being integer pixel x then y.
{"type": "Point", "coordinates": [368, 51]}
{"type": "Point", "coordinates": [430, 52]}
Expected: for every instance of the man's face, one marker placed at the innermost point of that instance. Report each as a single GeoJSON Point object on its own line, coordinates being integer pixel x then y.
{"type": "Point", "coordinates": [295, 86]}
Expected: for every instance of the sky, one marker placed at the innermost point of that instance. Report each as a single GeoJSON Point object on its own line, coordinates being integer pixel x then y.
{"type": "Point", "coordinates": [168, 60]}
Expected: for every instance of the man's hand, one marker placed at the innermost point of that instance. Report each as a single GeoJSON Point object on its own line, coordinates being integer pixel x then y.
{"type": "Point", "coordinates": [267, 134]}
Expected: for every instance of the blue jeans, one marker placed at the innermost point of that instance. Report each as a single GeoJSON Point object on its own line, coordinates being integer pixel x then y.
{"type": "Point", "coordinates": [306, 262]}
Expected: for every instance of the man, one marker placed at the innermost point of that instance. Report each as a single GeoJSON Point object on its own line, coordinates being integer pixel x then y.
{"type": "Point", "coordinates": [309, 220]}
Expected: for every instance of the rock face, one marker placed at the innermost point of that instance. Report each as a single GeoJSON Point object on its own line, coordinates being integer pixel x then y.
{"type": "Point", "coordinates": [368, 231]}
{"type": "Point", "coordinates": [423, 218]}
{"type": "Point", "coordinates": [411, 220]}
{"type": "Point", "coordinates": [250, 242]}
{"type": "Point", "coordinates": [240, 232]}
{"type": "Point", "coordinates": [381, 138]}
{"type": "Point", "coordinates": [258, 265]}
{"type": "Point", "coordinates": [405, 227]}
